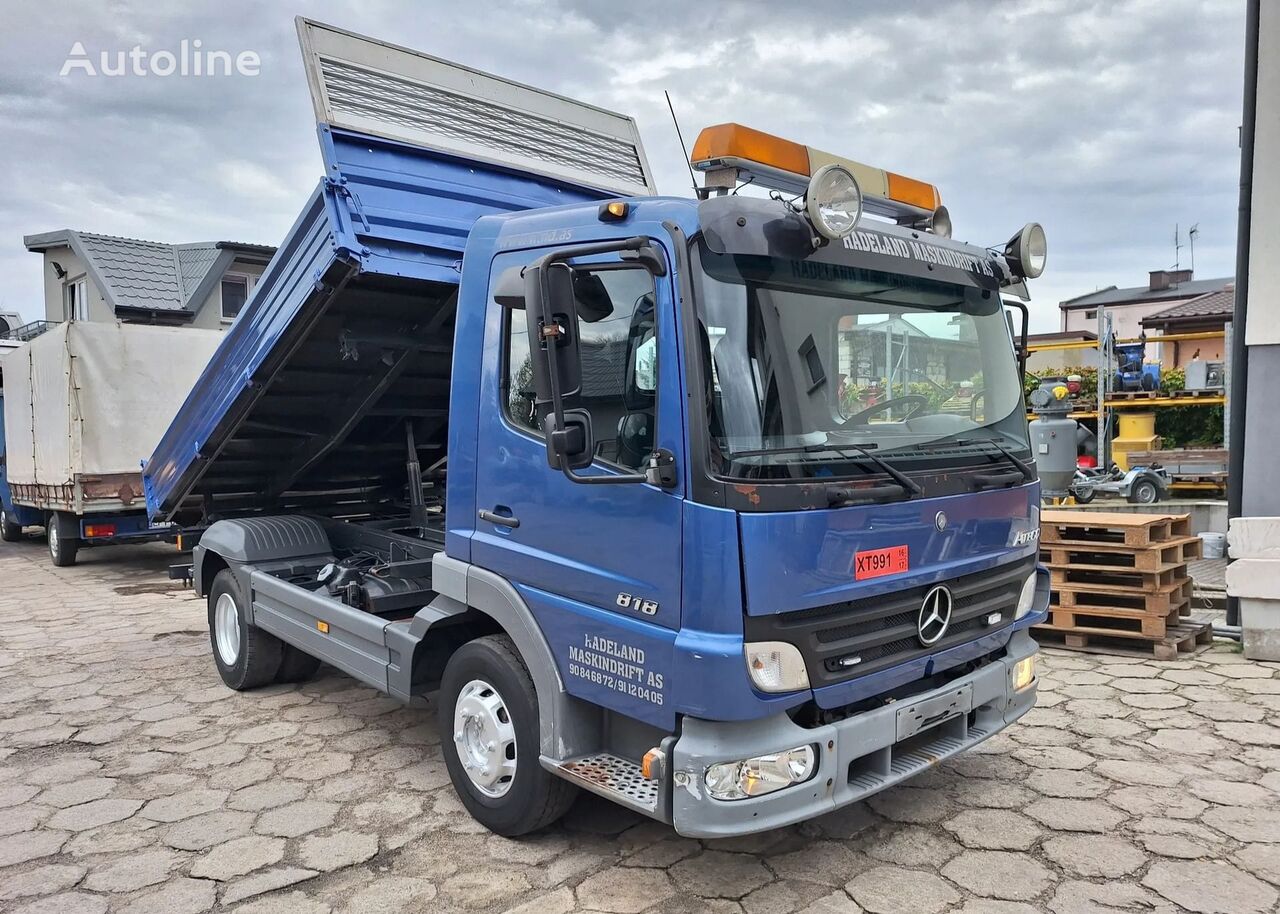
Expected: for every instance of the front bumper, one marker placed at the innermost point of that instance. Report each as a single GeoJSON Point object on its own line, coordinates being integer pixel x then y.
{"type": "Point", "coordinates": [858, 756]}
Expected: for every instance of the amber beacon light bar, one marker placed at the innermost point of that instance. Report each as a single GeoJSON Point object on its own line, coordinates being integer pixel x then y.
{"type": "Point", "coordinates": [731, 154]}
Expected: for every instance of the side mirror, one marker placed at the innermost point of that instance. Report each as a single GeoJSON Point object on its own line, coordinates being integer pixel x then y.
{"type": "Point", "coordinates": [509, 289]}
{"type": "Point", "coordinates": [1019, 339]}
{"type": "Point", "coordinates": [552, 320]}
{"type": "Point", "coordinates": [572, 446]}
{"type": "Point", "coordinates": [551, 309]}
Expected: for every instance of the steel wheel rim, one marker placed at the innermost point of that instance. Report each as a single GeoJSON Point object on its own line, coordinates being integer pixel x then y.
{"type": "Point", "coordinates": [53, 538]}
{"type": "Point", "coordinates": [226, 629]}
{"type": "Point", "coordinates": [485, 738]}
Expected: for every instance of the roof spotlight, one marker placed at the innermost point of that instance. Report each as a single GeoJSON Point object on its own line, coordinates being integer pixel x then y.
{"type": "Point", "coordinates": [1027, 250]}
{"type": "Point", "coordinates": [833, 201]}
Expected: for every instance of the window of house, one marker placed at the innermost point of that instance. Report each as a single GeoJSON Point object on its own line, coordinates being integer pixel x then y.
{"type": "Point", "coordinates": [1091, 315]}
{"type": "Point", "coordinates": [619, 367]}
{"type": "Point", "coordinates": [75, 302]}
{"type": "Point", "coordinates": [235, 292]}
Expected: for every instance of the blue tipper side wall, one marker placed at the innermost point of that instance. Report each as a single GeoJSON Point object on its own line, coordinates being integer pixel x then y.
{"type": "Point", "coordinates": [383, 208]}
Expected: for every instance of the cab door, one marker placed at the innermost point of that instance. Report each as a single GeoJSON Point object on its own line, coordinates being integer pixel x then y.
{"type": "Point", "coordinates": [576, 549]}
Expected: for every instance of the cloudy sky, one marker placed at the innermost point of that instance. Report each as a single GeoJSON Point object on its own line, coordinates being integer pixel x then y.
{"type": "Point", "coordinates": [1108, 122]}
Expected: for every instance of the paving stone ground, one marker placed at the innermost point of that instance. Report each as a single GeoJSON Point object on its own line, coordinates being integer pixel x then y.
{"type": "Point", "coordinates": [131, 780]}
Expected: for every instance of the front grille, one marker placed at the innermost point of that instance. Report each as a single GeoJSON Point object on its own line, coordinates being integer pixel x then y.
{"type": "Point", "coordinates": [881, 631]}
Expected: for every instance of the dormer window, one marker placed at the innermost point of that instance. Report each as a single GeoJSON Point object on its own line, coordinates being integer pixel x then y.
{"type": "Point", "coordinates": [235, 292]}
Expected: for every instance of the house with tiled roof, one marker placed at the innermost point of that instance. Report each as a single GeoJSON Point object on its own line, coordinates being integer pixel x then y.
{"type": "Point", "coordinates": [103, 278]}
{"type": "Point", "coordinates": [1207, 313]}
{"type": "Point", "coordinates": [1130, 307]}
{"type": "Point", "coordinates": [1164, 289]}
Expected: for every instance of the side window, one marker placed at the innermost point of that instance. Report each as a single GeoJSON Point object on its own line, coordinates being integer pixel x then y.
{"type": "Point", "coordinates": [616, 330]}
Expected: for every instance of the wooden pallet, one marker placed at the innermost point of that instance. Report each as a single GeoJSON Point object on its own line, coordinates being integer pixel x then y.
{"type": "Point", "coordinates": [1090, 528]}
{"type": "Point", "coordinates": [1101, 620]}
{"type": "Point", "coordinates": [1078, 575]}
{"type": "Point", "coordinates": [1155, 557]}
{"type": "Point", "coordinates": [1124, 604]}
{"type": "Point", "coordinates": [1185, 637]}
{"type": "Point", "coordinates": [1190, 395]}
{"type": "Point", "coordinates": [1135, 394]}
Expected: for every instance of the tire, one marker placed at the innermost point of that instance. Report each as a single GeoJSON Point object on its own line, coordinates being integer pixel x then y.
{"type": "Point", "coordinates": [62, 549]}
{"type": "Point", "coordinates": [530, 797]}
{"type": "Point", "coordinates": [1084, 496]}
{"type": "Point", "coordinates": [1144, 492]}
{"type": "Point", "coordinates": [296, 665]}
{"type": "Point", "coordinates": [1148, 382]}
{"type": "Point", "coordinates": [10, 532]}
{"type": "Point", "coordinates": [250, 657]}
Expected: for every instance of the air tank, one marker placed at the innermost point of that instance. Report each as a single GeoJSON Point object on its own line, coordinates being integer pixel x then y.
{"type": "Point", "coordinates": [1053, 437]}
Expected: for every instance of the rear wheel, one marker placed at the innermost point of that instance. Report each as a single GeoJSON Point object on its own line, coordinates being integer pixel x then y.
{"type": "Point", "coordinates": [488, 722]}
{"type": "Point", "coordinates": [10, 531]}
{"type": "Point", "coordinates": [1144, 492]}
{"type": "Point", "coordinates": [246, 656]}
{"type": "Point", "coordinates": [62, 548]}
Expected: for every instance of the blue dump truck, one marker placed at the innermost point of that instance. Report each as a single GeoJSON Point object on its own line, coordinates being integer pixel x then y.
{"type": "Point", "coordinates": [722, 508]}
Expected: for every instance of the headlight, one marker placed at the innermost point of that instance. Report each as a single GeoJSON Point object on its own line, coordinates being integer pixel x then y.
{"type": "Point", "coordinates": [763, 774]}
{"type": "Point", "coordinates": [776, 666]}
{"type": "Point", "coordinates": [1024, 673]}
{"type": "Point", "coordinates": [1027, 598]}
{"type": "Point", "coordinates": [833, 201]}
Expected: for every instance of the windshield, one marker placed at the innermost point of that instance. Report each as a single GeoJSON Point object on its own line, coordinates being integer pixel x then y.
{"type": "Point", "coordinates": [807, 358]}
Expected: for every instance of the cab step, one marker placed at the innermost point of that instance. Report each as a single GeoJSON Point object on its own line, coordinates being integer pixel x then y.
{"type": "Point", "coordinates": [612, 777]}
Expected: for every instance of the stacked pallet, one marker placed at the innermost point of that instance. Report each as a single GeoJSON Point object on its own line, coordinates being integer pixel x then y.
{"type": "Point", "coordinates": [1122, 577]}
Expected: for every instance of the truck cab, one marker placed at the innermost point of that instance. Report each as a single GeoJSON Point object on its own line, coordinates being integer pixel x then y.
{"type": "Point", "coordinates": [721, 507]}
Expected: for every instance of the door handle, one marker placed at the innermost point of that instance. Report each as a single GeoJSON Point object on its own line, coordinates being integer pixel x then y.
{"type": "Point", "coordinates": [502, 520]}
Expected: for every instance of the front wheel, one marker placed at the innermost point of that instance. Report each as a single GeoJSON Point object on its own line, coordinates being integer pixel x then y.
{"type": "Point", "coordinates": [10, 531]}
{"type": "Point", "coordinates": [296, 665]}
{"type": "Point", "coordinates": [246, 656]}
{"type": "Point", "coordinates": [62, 549]}
{"type": "Point", "coordinates": [488, 723]}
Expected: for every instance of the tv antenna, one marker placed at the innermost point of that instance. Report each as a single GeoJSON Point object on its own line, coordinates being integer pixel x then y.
{"type": "Point", "coordinates": [1191, 238]}
{"type": "Point", "coordinates": [1177, 247]}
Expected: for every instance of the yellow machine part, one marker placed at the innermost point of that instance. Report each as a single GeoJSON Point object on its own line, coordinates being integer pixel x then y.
{"type": "Point", "coordinates": [1136, 432]}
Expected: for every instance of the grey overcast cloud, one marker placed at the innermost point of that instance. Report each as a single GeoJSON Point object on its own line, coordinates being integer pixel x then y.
{"type": "Point", "coordinates": [1108, 122]}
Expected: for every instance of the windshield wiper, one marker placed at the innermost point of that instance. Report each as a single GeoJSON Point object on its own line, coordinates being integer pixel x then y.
{"type": "Point", "coordinates": [843, 495]}
{"type": "Point", "coordinates": [1028, 474]}
{"type": "Point", "coordinates": [988, 480]}
{"type": "Point", "coordinates": [901, 479]}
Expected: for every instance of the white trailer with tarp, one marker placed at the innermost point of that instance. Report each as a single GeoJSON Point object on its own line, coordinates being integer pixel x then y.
{"type": "Point", "coordinates": [84, 405]}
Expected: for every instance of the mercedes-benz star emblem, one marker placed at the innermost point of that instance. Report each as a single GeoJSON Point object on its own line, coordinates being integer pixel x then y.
{"type": "Point", "coordinates": [940, 521]}
{"type": "Point", "coordinates": [935, 615]}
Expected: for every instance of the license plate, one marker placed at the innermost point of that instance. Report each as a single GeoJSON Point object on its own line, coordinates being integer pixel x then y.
{"type": "Point", "coordinates": [876, 563]}
{"type": "Point", "coordinates": [933, 711]}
